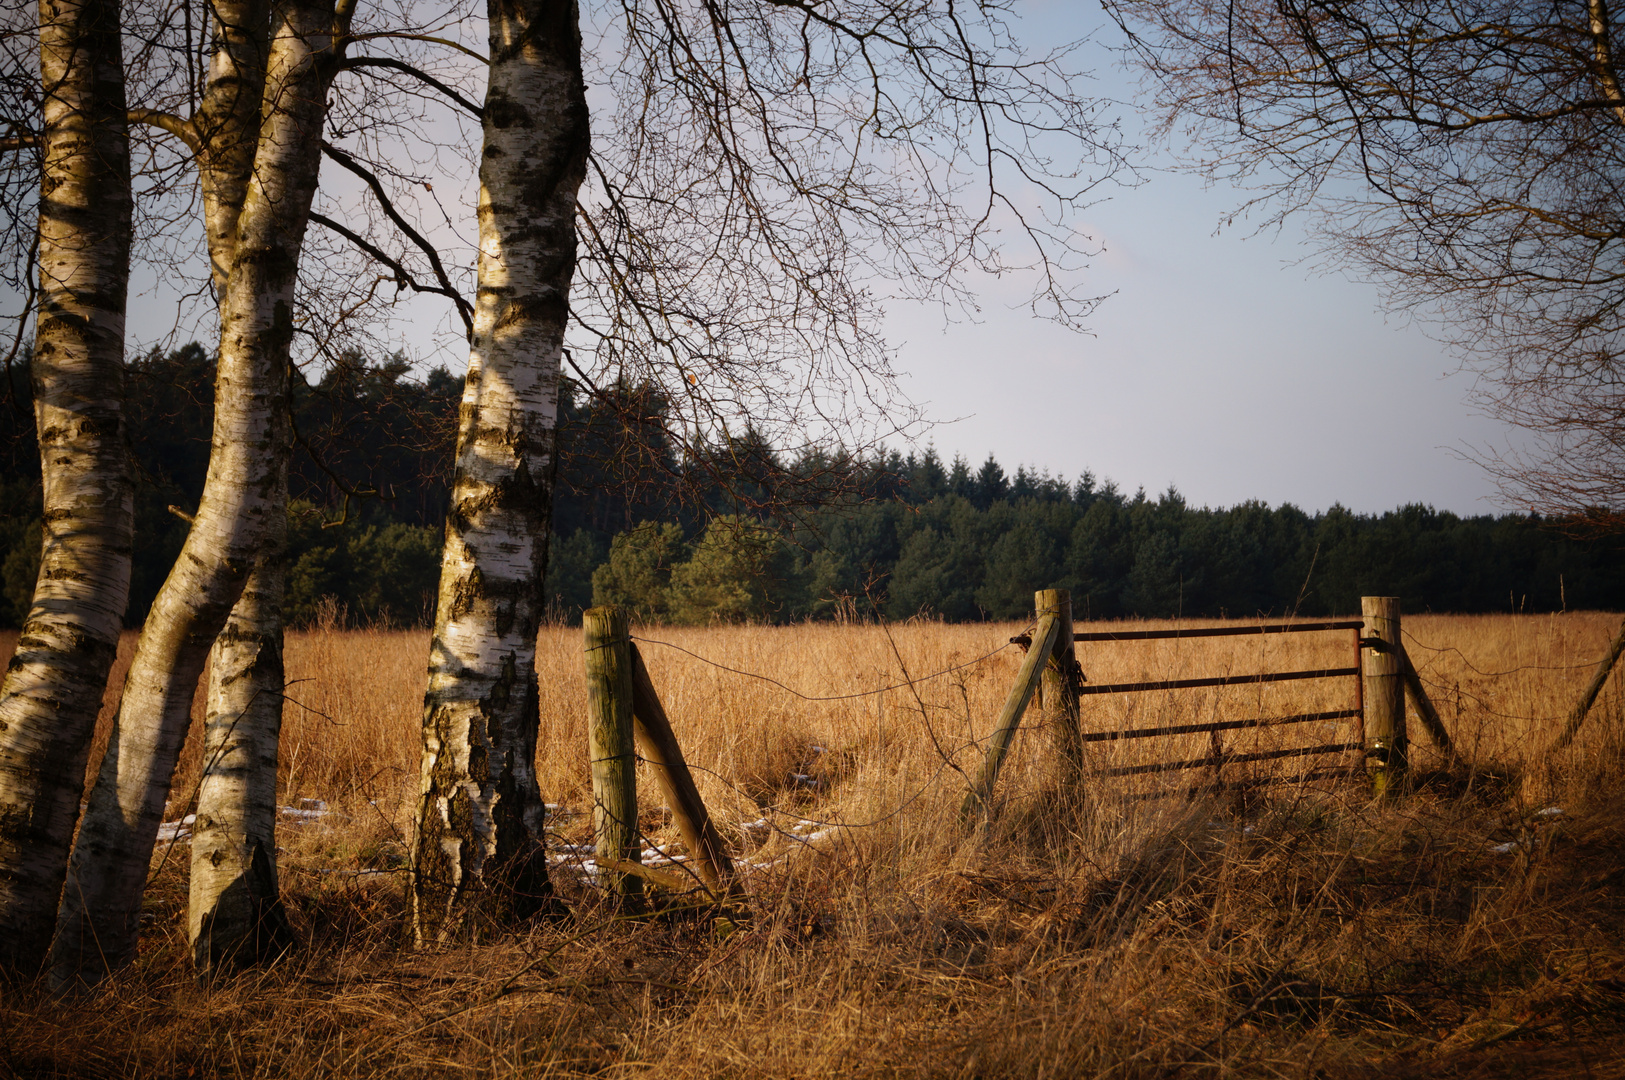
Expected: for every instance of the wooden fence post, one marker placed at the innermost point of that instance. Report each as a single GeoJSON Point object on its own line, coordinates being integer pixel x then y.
{"type": "Point", "coordinates": [1004, 731]}
{"type": "Point", "coordinates": [1385, 695]}
{"type": "Point", "coordinates": [1060, 684]}
{"type": "Point", "coordinates": [606, 636]}
{"type": "Point", "coordinates": [1599, 676]}
{"type": "Point", "coordinates": [660, 750]}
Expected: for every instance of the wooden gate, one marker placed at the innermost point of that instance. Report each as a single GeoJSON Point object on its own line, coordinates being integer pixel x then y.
{"type": "Point", "coordinates": [1218, 757]}
{"type": "Point", "coordinates": [1051, 661]}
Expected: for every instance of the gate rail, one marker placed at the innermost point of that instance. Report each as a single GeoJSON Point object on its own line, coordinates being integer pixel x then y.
{"type": "Point", "coordinates": [1219, 757]}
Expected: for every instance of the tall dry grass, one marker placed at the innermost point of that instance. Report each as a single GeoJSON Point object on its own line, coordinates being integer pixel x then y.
{"type": "Point", "coordinates": [1292, 930]}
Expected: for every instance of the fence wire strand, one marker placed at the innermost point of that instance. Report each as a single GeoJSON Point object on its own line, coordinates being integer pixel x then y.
{"type": "Point", "coordinates": [1494, 674]}
{"type": "Point", "coordinates": [1478, 699]}
{"type": "Point", "coordinates": [1481, 703]}
{"type": "Point", "coordinates": [832, 697]}
{"type": "Point", "coordinates": [906, 683]}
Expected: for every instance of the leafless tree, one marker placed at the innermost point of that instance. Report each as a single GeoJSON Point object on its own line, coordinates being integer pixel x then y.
{"type": "Point", "coordinates": [234, 912]}
{"type": "Point", "coordinates": [244, 495]}
{"type": "Point", "coordinates": [1470, 157]}
{"type": "Point", "coordinates": [74, 139]}
{"type": "Point", "coordinates": [766, 175]}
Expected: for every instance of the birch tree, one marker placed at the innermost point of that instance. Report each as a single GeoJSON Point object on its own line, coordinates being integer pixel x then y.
{"type": "Point", "coordinates": [479, 822]}
{"type": "Point", "coordinates": [53, 687]}
{"type": "Point", "coordinates": [764, 170]}
{"type": "Point", "coordinates": [98, 918]}
{"type": "Point", "coordinates": [234, 907]}
{"type": "Point", "coordinates": [234, 912]}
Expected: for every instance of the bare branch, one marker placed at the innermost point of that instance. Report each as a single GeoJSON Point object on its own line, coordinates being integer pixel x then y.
{"type": "Point", "coordinates": [417, 238]}
{"type": "Point", "coordinates": [464, 103]}
{"type": "Point", "coordinates": [170, 123]}
{"type": "Point", "coordinates": [403, 277]}
{"type": "Point", "coordinates": [450, 44]}
{"type": "Point", "coordinates": [1470, 158]}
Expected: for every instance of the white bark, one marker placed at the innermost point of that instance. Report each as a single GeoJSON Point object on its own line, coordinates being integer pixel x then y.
{"type": "Point", "coordinates": [53, 688]}
{"type": "Point", "coordinates": [234, 911]}
{"type": "Point", "coordinates": [106, 876]}
{"type": "Point", "coordinates": [478, 842]}
{"type": "Point", "coordinates": [226, 127]}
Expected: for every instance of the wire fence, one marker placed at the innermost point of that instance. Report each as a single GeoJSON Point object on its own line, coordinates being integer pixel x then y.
{"type": "Point", "coordinates": [907, 682]}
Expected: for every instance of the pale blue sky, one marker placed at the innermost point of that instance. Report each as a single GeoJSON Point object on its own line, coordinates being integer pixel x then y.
{"type": "Point", "coordinates": [1221, 365]}
{"type": "Point", "coordinates": [1217, 366]}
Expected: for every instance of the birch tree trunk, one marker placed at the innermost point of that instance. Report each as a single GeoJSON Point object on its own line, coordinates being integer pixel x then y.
{"type": "Point", "coordinates": [241, 497]}
{"type": "Point", "coordinates": [53, 687]}
{"type": "Point", "coordinates": [226, 128]}
{"type": "Point", "coordinates": [478, 845]}
{"type": "Point", "coordinates": [235, 916]}
{"type": "Point", "coordinates": [234, 909]}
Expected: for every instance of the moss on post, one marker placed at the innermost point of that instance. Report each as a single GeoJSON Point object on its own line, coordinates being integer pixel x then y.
{"type": "Point", "coordinates": [1386, 742]}
{"type": "Point", "coordinates": [607, 641]}
{"type": "Point", "coordinates": [1060, 685]}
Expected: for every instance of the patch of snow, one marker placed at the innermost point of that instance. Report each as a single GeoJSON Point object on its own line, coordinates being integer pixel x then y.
{"type": "Point", "coordinates": [656, 857]}
{"type": "Point", "coordinates": [758, 830]}
{"type": "Point", "coordinates": [173, 832]}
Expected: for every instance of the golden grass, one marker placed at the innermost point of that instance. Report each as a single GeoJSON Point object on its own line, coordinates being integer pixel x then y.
{"type": "Point", "coordinates": [1294, 931]}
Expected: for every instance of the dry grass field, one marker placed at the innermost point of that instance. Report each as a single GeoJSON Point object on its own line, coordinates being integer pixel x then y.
{"type": "Point", "coordinates": [1476, 928]}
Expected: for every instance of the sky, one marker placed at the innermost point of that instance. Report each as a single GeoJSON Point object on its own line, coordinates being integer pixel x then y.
{"type": "Point", "coordinates": [1219, 364]}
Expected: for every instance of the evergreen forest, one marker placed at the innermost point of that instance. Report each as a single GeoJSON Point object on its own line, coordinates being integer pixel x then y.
{"type": "Point", "coordinates": [730, 531]}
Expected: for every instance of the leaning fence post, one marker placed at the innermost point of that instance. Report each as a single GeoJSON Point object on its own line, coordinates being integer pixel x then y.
{"type": "Point", "coordinates": [1424, 706]}
{"type": "Point", "coordinates": [665, 756]}
{"type": "Point", "coordinates": [1599, 676]}
{"type": "Point", "coordinates": [1384, 695]}
{"type": "Point", "coordinates": [1060, 682]}
{"type": "Point", "coordinates": [606, 636]}
{"type": "Point", "coordinates": [1004, 731]}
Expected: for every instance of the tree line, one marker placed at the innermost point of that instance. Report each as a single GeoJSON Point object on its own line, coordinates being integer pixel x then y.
{"type": "Point", "coordinates": [721, 540]}
{"type": "Point", "coordinates": [960, 553]}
